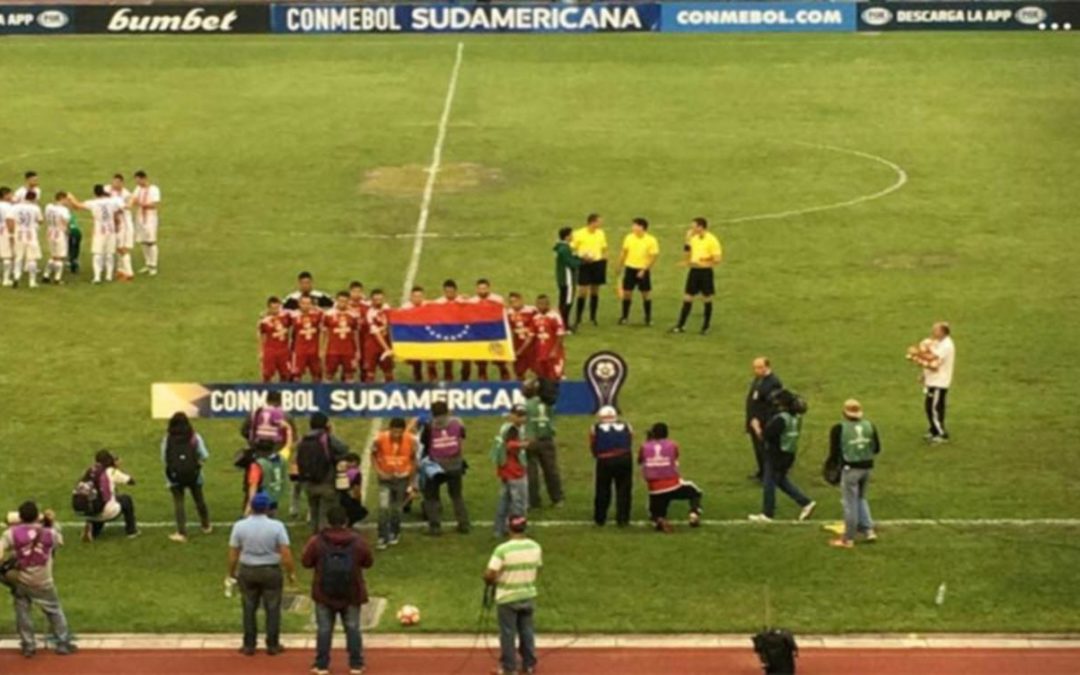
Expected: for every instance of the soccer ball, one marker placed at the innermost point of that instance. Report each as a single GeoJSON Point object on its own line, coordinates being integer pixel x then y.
{"type": "Point", "coordinates": [408, 615]}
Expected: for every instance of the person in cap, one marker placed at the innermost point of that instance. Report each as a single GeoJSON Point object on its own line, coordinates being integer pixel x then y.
{"type": "Point", "coordinates": [659, 460]}
{"type": "Point", "coordinates": [258, 550]}
{"type": "Point", "coordinates": [853, 443]}
{"type": "Point", "coordinates": [611, 441]}
{"type": "Point", "coordinates": [512, 572]}
{"type": "Point", "coordinates": [508, 454]}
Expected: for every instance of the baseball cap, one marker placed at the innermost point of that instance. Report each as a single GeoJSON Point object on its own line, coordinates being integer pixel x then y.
{"type": "Point", "coordinates": [518, 524]}
{"type": "Point", "coordinates": [852, 409]}
{"type": "Point", "coordinates": [260, 503]}
{"type": "Point", "coordinates": [518, 410]}
{"type": "Point", "coordinates": [607, 412]}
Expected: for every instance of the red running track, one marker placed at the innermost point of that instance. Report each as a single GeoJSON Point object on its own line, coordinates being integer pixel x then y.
{"type": "Point", "coordinates": [564, 662]}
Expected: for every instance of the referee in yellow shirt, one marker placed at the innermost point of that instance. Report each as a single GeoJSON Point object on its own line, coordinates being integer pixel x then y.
{"type": "Point", "coordinates": [639, 252]}
{"type": "Point", "coordinates": [703, 253]}
{"type": "Point", "coordinates": [590, 244]}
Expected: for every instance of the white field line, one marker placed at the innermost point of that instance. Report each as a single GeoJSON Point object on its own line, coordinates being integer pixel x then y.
{"type": "Point", "coordinates": [901, 180]}
{"type": "Point", "coordinates": [418, 238]}
{"type": "Point", "coordinates": [397, 235]}
{"type": "Point", "coordinates": [895, 522]}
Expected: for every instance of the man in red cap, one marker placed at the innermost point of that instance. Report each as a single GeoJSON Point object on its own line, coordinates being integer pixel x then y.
{"type": "Point", "coordinates": [512, 572]}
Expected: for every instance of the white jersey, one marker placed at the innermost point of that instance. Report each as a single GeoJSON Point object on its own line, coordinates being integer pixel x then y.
{"type": "Point", "coordinates": [104, 210]}
{"type": "Point", "coordinates": [124, 195]}
{"type": "Point", "coordinates": [146, 202]}
{"type": "Point", "coordinates": [945, 352]}
{"type": "Point", "coordinates": [20, 193]}
{"type": "Point", "coordinates": [27, 217]}
{"type": "Point", "coordinates": [57, 219]}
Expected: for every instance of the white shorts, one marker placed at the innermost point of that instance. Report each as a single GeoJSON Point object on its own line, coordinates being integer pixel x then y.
{"type": "Point", "coordinates": [146, 231]}
{"type": "Point", "coordinates": [6, 250]}
{"type": "Point", "coordinates": [27, 250]}
{"type": "Point", "coordinates": [126, 237]}
{"type": "Point", "coordinates": [58, 248]}
{"type": "Point", "coordinates": [103, 244]}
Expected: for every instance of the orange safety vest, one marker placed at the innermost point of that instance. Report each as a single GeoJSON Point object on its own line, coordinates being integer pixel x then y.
{"type": "Point", "coordinates": [395, 459]}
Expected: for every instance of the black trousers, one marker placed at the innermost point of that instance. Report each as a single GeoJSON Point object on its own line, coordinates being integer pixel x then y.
{"type": "Point", "coordinates": [181, 514]}
{"type": "Point", "coordinates": [759, 452]}
{"type": "Point", "coordinates": [566, 301]}
{"type": "Point", "coordinates": [617, 473]}
{"type": "Point", "coordinates": [659, 503]}
{"type": "Point", "coordinates": [74, 246]}
{"type": "Point", "coordinates": [261, 585]}
{"type": "Point", "coordinates": [127, 509]}
{"type": "Point", "coordinates": [433, 504]}
{"type": "Point", "coordinates": [935, 410]}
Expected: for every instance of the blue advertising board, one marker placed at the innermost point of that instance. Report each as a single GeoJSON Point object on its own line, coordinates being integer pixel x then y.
{"type": "Point", "coordinates": [740, 17]}
{"type": "Point", "coordinates": [27, 19]}
{"type": "Point", "coordinates": [480, 18]}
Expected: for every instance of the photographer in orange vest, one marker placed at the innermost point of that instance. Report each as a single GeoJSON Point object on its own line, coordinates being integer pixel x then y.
{"type": "Point", "coordinates": [394, 458]}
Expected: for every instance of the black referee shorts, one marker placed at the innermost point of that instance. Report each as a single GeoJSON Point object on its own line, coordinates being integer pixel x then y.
{"type": "Point", "coordinates": [701, 281]}
{"type": "Point", "coordinates": [592, 273]}
{"type": "Point", "coordinates": [631, 280]}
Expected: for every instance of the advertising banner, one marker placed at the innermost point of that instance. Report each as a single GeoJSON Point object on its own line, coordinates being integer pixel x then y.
{"type": "Point", "coordinates": [27, 19]}
{"type": "Point", "coordinates": [479, 18]}
{"type": "Point", "coordinates": [466, 399]}
{"type": "Point", "coordinates": [742, 17]}
{"type": "Point", "coordinates": [968, 16]}
{"type": "Point", "coordinates": [210, 19]}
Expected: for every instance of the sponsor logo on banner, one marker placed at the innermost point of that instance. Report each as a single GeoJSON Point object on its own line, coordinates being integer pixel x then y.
{"type": "Point", "coordinates": [181, 19]}
{"type": "Point", "coordinates": [930, 15]}
{"type": "Point", "coordinates": [1030, 15]}
{"type": "Point", "coordinates": [876, 16]}
{"type": "Point", "coordinates": [30, 19]}
{"type": "Point", "coordinates": [718, 17]}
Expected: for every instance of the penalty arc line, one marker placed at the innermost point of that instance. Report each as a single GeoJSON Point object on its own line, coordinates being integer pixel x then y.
{"type": "Point", "coordinates": [418, 237]}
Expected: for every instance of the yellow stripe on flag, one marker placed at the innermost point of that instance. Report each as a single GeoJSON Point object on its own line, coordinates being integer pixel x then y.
{"type": "Point", "coordinates": [498, 350]}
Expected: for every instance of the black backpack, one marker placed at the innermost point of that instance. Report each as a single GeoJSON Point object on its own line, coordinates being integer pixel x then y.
{"type": "Point", "coordinates": [182, 461]}
{"type": "Point", "coordinates": [86, 498]}
{"type": "Point", "coordinates": [337, 569]}
{"type": "Point", "coordinates": [777, 650]}
{"type": "Point", "coordinates": [313, 459]}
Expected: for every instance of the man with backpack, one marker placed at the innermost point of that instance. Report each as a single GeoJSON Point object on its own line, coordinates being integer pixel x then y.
{"type": "Point", "coordinates": [183, 452]}
{"type": "Point", "coordinates": [33, 543]}
{"type": "Point", "coordinates": [540, 433]}
{"type": "Point", "coordinates": [265, 474]}
{"type": "Point", "coordinates": [339, 556]}
{"type": "Point", "coordinates": [444, 444]}
{"type": "Point", "coordinates": [781, 438]}
{"type": "Point", "coordinates": [317, 456]}
{"type": "Point", "coordinates": [95, 497]}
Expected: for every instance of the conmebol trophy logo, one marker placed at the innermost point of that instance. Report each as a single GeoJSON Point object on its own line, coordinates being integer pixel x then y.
{"type": "Point", "coordinates": [606, 374]}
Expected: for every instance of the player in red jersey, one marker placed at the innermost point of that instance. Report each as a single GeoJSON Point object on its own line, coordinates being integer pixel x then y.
{"type": "Point", "coordinates": [450, 296]}
{"type": "Point", "coordinates": [550, 331]}
{"type": "Point", "coordinates": [520, 317]}
{"type": "Point", "coordinates": [376, 351]}
{"type": "Point", "coordinates": [341, 334]}
{"type": "Point", "coordinates": [274, 328]}
{"type": "Point", "coordinates": [484, 295]}
{"type": "Point", "coordinates": [307, 338]}
{"type": "Point", "coordinates": [417, 299]}
{"type": "Point", "coordinates": [358, 305]}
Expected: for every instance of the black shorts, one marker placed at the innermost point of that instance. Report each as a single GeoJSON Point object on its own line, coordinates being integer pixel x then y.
{"type": "Point", "coordinates": [701, 282]}
{"type": "Point", "coordinates": [592, 273]}
{"type": "Point", "coordinates": [631, 281]}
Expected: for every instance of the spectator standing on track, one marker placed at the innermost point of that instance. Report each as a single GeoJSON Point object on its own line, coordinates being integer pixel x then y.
{"type": "Point", "coordinates": [541, 448]}
{"type": "Point", "coordinates": [611, 441]}
{"type": "Point", "coordinates": [393, 454]}
{"type": "Point", "coordinates": [106, 475]}
{"type": "Point", "coordinates": [781, 437]}
{"type": "Point", "coordinates": [759, 409]}
{"type": "Point", "coordinates": [258, 549]}
{"type": "Point", "coordinates": [444, 443]}
{"type": "Point", "coordinates": [339, 557]}
{"type": "Point", "coordinates": [33, 543]}
{"type": "Point", "coordinates": [183, 453]}
{"type": "Point", "coordinates": [512, 570]}
{"type": "Point", "coordinates": [317, 457]}
{"type": "Point", "coordinates": [590, 244]}
{"type": "Point", "coordinates": [507, 453]}
{"type": "Point", "coordinates": [853, 443]}
{"type": "Point", "coordinates": [566, 273]}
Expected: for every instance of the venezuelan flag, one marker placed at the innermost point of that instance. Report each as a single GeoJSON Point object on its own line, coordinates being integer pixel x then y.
{"type": "Point", "coordinates": [451, 331]}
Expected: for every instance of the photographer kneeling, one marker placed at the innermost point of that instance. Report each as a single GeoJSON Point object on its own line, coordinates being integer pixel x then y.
{"type": "Point", "coordinates": [33, 541]}
{"type": "Point", "coordinates": [102, 502]}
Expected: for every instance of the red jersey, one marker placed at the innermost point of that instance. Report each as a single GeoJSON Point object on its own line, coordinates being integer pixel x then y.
{"type": "Point", "coordinates": [377, 323]}
{"type": "Point", "coordinates": [360, 308]}
{"type": "Point", "coordinates": [306, 330]}
{"type": "Point", "coordinates": [549, 329]}
{"type": "Point", "coordinates": [275, 329]}
{"type": "Point", "coordinates": [521, 324]}
{"type": "Point", "coordinates": [341, 330]}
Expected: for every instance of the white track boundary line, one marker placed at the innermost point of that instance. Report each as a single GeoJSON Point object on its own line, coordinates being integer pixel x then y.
{"type": "Point", "coordinates": [418, 238]}
{"type": "Point", "coordinates": [901, 180]}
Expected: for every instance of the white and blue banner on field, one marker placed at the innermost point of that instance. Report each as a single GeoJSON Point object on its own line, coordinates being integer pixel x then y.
{"type": "Point", "coordinates": [467, 399]}
{"type": "Point", "coordinates": [740, 17]}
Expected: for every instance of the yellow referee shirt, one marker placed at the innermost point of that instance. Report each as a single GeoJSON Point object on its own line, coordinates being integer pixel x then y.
{"type": "Point", "coordinates": [640, 251]}
{"type": "Point", "coordinates": [589, 244]}
{"type": "Point", "coordinates": [705, 249]}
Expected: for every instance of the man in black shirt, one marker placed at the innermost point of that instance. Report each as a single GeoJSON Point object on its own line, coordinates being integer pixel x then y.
{"type": "Point", "coordinates": [759, 409]}
{"type": "Point", "coordinates": [305, 288]}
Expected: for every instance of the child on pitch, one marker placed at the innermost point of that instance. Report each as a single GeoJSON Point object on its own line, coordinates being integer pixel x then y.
{"type": "Point", "coordinates": [659, 460]}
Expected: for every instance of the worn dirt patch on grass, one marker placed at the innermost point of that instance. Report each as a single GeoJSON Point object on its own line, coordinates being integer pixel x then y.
{"type": "Point", "coordinates": [409, 180]}
{"type": "Point", "coordinates": [914, 262]}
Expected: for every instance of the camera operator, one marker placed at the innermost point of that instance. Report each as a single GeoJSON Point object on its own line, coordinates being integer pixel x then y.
{"type": "Point", "coordinates": [32, 542]}
{"type": "Point", "coordinates": [106, 475]}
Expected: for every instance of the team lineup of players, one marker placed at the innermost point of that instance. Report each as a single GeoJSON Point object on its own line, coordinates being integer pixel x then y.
{"type": "Point", "coordinates": [347, 337]}
{"type": "Point", "coordinates": [122, 218]}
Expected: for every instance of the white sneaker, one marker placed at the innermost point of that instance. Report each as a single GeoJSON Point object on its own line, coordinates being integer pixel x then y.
{"type": "Point", "coordinates": [144, 270]}
{"type": "Point", "coordinates": [96, 281]}
{"type": "Point", "coordinates": [33, 282]}
{"type": "Point", "coordinates": [153, 272]}
{"type": "Point", "coordinates": [759, 518]}
{"type": "Point", "coordinates": [178, 538]}
{"type": "Point", "coordinates": [807, 511]}
{"type": "Point", "coordinates": [8, 283]}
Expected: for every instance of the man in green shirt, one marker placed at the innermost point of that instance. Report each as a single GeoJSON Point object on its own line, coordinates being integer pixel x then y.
{"type": "Point", "coordinates": [541, 449]}
{"type": "Point", "coordinates": [512, 571]}
{"type": "Point", "coordinates": [566, 266]}
{"type": "Point", "coordinates": [853, 443]}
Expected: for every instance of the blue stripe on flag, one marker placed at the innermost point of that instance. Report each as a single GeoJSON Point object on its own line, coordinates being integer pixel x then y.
{"type": "Point", "coordinates": [449, 332]}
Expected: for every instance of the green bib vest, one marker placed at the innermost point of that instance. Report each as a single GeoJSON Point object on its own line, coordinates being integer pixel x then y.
{"type": "Point", "coordinates": [857, 440]}
{"type": "Point", "coordinates": [789, 440]}
{"type": "Point", "coordinates": [273, 478]}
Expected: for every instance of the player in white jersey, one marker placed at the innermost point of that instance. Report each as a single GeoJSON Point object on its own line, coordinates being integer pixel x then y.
{"type": "Point", "coordinates": [58, 221]}
{"type": "Point", "coordinates": [7, 235]}
{"type": "Point", "coordinates": [145, 201]}
{"type": "Point", "coordinates": [26, 216]}
{"type": "Point", "coordinates": [125, 239]}
{"type": "Point", "coordinates": [31, 183]}
{"type": "Point", "coordinates": [108, 213]}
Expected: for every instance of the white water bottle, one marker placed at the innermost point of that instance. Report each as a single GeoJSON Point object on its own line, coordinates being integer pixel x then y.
{"type": "Point", "coordinates": [230, 586]}
{"type": "Point", "coordinates": [939, 600]}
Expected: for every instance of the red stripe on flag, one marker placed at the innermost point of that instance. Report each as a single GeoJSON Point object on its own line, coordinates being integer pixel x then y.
{"type": "Point", "coordinates": [433, 314]}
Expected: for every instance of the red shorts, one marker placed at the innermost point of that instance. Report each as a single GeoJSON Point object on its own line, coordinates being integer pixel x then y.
{"type": "Point", "coordinates": [276, 363]}
{"type": "Point", "coordinates": [307, 363]}
{"type": "Point", "coordinates": [550, 369]}
{"type": "Point", "coordinates": [343, 362]}
{"type": "Point", "coordinates": [371, 362]}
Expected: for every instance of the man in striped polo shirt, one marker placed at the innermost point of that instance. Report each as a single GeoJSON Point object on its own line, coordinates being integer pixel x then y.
{"type": "Point", "coordinates": [512, 571]}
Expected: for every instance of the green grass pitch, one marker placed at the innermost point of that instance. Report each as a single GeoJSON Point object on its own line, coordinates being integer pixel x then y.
{"type": "Point", "coordinates": [262, 145]}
